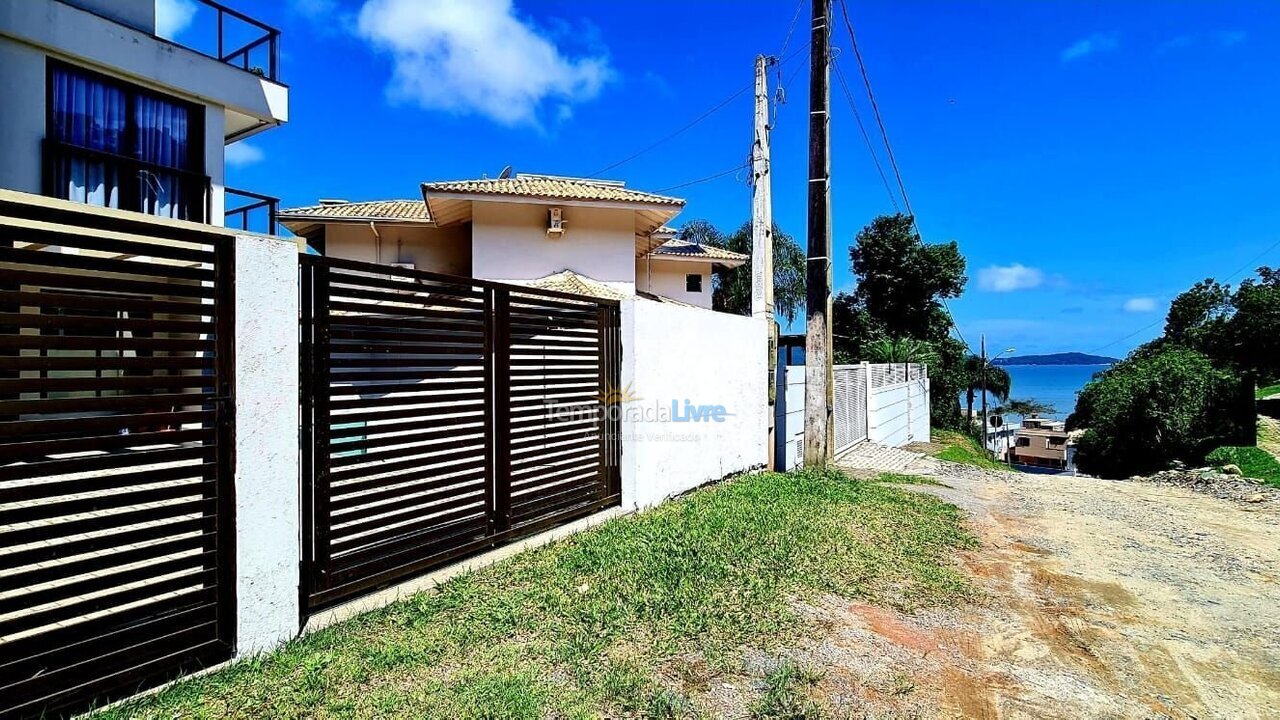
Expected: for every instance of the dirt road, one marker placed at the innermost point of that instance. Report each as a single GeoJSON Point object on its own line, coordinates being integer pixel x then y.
{"type": "Point", "coordinates": [1104, 599]}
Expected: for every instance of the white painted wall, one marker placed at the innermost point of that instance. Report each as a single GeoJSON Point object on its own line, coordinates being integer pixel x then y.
{"type": "Point", "coordinates": [675, 353]}
{"type": "Point", "coordinates": [442, 250]}
{"type": "Point", "coordinates": [266, 447]}
{"type": "Point", "coordinates": [509, 243]}
{"type": "Point", "coordinates": [667, 278]}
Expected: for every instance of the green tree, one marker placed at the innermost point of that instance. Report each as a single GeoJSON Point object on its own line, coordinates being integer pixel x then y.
{"type": "Point", "coordinates": [901, 350]}
{"type": "Point", "coordinates": [901, 286]}
{"type": "Point", "coordinates": [1239, 329]}
{"type": "Point", "coordinates": [1145, 412]}
{"type": "Point", "coordinates": [998, 382]}
{"type": "Point", "coordinates": [1023, 408]}
{"type": "Point", "coordinates": [732, 286]}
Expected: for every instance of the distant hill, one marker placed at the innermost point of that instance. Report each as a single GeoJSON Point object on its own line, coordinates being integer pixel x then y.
{"type": "Point", "coordinates": [1068, 358]}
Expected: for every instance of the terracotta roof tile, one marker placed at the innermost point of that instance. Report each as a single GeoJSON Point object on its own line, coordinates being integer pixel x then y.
{"type": "Point", "coordinates": [684, 248]}
{"type": "Point", "coordinates": [407, 210]}
{"type": "Point", "coordinates": [571, 282]}
{"type": "Point", "coordinates": [551, 187]}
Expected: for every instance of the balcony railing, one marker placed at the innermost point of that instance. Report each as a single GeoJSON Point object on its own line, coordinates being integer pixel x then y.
{"type": "Point", "coordinates": [252, 211]}
{"type": "Point", "coordinates": [243, 42]}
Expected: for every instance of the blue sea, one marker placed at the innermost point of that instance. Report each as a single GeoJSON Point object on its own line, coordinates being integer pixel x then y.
{"type": "Point", "coordinates": [1056, 385]}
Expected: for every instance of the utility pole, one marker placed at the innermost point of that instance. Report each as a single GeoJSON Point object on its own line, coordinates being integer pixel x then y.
{"type": "Point", "coordinates": [762, 242]}
{"type": "Point", "coordinates": [982, 374]}
{"type": "Point", "coordinates": [818, 399]}
{"type": "Point", "coordinates": [761, 200]}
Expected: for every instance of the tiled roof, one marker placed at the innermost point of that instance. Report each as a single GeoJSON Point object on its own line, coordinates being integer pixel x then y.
{"type": "Point", "coordinates": [407, 210]}
{"type": "Point", "coordinates": [684, 248]}
{"type": "Point", "coordinates": [551, 187]}
{"type": "Point", "coordinates": [571, 282]}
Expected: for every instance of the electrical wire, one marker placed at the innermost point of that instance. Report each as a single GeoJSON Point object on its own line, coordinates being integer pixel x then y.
{"type": "Point", "coordinates": [708, 178]}
{"type": "Point", "coordinates": [893, 162]}
{"type": "Point", "coordinates": [866, 138]}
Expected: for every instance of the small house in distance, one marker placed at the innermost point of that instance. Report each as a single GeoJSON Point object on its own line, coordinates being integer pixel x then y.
{"type": "Point", "coordinates": [1042, 443]}
{"type": "Point", "coordinates": [592, 237]}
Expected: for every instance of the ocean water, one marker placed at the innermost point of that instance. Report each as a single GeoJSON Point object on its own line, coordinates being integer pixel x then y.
{"type": "Point", "coordinates": [1056, 385]}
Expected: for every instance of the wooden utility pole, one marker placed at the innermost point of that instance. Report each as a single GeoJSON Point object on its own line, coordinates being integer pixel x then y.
{"type": "Point", "coordinates": [762, 242]}
{"type": "Point", "coordinates": [819, 383]}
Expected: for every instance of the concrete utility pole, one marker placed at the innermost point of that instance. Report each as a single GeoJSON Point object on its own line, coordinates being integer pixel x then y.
{"type": "Point", "coordinates": [762, 240]}
{"type": "Point", "coordinates": [761, 200]}
{"type": "Point", "coordinates": [819, 437]}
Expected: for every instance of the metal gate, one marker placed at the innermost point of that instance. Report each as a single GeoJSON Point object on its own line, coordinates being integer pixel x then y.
{"type": "Point", "coordinates": [115, 428]}
{"type": "Point", "coordinates": [850, 405]}
{"type": "Point", "coordinates": [444, 415]}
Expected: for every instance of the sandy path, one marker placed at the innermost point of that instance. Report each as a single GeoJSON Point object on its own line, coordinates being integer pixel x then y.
{"type": "Point", "coordinates": [1105, 599]}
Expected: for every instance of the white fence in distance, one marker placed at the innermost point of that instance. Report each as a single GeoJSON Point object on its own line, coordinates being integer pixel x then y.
{"type": "Point", "coordinates": [880, 403]}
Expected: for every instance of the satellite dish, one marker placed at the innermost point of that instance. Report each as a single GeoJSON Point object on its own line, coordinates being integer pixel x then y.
{"type": "Point", "coordinates": [506, 173]}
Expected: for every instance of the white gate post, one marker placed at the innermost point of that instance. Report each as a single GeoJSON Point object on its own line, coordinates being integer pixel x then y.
{"type": "Point", "coordinates": [266, 442]}
{"type": "Point", "coordinates": [866, 375]}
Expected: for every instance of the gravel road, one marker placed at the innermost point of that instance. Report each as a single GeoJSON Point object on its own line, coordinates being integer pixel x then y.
{"type": "Point", "coordinates": [1103, 599]}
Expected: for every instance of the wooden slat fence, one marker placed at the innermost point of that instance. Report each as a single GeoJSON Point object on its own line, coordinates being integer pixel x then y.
{"type": "Point", "coordinates": [115, 429]}
{"type": "Point", "coordinates": [443, 416]}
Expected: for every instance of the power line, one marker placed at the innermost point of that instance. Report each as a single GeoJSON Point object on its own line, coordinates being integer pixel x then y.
{"type": "Point", "coordinates": [1230, 277]}
{"type": "Point", "coordinates": [866, 139]}
{"type": "Point", "coordinates": [708, 178]}
{"type": "Point", "coordinates": [893, 161]}
{"type": "Point", "coordinates": [684, 128]}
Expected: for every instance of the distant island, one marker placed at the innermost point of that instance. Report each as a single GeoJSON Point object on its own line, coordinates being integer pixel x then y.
{"type": "Point", "coordinates": [1068, 358]}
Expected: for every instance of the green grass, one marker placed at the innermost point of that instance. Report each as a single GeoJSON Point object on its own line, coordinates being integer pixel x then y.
{"type": "Point", "coordinates": [786, 695]}
{"type": "Point", "coordinates": [901, 479]}
{"type": "Point", "coordinates": [960, 448]}
{"type": "Point", "coordinates": [1253, 462]}
{"type": "Point", "coordinates": [627, 619]}
{"type": "Point", "coordinates": [1268, 391]}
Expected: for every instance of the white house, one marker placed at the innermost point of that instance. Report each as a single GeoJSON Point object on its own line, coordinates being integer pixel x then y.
{"type": "Point", "coordinates": [595, 237]}
{"type": "Point", "coordinates": [99, 109]}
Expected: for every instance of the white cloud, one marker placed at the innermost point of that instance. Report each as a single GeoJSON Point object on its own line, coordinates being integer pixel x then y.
{"type": "Point", "coordinates": [477, 56]}
{"type": "Point", "coordinates": [1095, 43]}
{"type": "Point", "coordinates": [173, 16]}
{"type": "Point", "coordinates": [242, 153]}
{"type": "Point", "coordinates": [1140, 305]}
{"type": "Point", "coordinates": [1007, 278]}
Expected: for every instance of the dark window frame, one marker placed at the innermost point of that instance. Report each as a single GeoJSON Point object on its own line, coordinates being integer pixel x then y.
{"type": "Point", "coordinates": [130, 198]}
{"type": "Point", "coordinates": [688, 278]}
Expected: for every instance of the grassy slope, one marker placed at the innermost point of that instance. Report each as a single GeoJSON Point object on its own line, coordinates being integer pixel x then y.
{"type": "Point", "coordinates": [605, 622]}
{"type": "Point", "coordinates": [1253, 462]}
{"type": "Point", "coordinates": [961, 448]}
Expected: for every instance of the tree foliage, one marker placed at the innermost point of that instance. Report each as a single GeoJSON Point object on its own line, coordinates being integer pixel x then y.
{"type": "Point", "coordinates": [901, 285]}
{"type": "Point", "coordinates": [1239, 329]}
{"type": "Point", "coordinates": [731, 287]}
{"type": "Point", "coordinates": [1146, 411]}
{"type": "Point", "coordinates": [997, 381]}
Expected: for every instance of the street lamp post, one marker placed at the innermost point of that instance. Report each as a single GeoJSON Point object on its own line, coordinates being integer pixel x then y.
{"type": "Point", "coordinates": [983, 380]}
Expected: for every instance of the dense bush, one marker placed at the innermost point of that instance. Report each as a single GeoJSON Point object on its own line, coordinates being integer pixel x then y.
{"type": "Point", "coordinates": [1150, 410]}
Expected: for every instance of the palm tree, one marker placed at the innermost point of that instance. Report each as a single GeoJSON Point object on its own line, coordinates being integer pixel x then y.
{"type": "Point", "coordinates": [998, 382]}
{"type": "Point", "coordinates": [902, 350]}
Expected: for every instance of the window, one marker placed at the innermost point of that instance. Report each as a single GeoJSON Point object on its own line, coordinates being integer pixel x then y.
{"type": "Point", "coordinates": [1024, 442]}
{"type": "Point", "coordinates": [693, 283]}
{"type": "Point", "coordinates": [113, 144]}
{"type": "Point", "coordinates": [1057, 441]}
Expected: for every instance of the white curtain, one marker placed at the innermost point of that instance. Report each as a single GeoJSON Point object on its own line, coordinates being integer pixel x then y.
{"type": "Point", "coordinates": [89, 114]}
{"type": "Point", "coordinates": [162, 140]}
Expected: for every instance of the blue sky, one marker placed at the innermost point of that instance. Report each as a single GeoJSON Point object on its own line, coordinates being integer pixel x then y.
{"type": "Point", "coordinates": [1091, 159]}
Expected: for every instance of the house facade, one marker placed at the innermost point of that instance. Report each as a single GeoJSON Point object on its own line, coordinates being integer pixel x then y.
{"type": "Point", "coordinates": [101, 110]}
{"type": "Point", "coordinates": [1042, 443]}
{"type": "Point", "coordinates": [589, 236]}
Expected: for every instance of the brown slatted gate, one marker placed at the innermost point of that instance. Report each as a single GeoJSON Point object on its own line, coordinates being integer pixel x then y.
{"type": "Point", "coordinates": [115, 428]}
{"type": "Point", "coordinates": [443, 416]}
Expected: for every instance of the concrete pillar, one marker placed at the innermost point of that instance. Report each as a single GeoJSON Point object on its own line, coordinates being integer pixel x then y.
{"type": "Point", "coordinates": [629, 428]}
{"type": "Point", "coordinates": [266, 446]}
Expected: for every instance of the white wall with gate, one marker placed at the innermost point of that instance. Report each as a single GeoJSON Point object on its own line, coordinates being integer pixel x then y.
{"type": "Point", "coordinates": [880, 403]}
